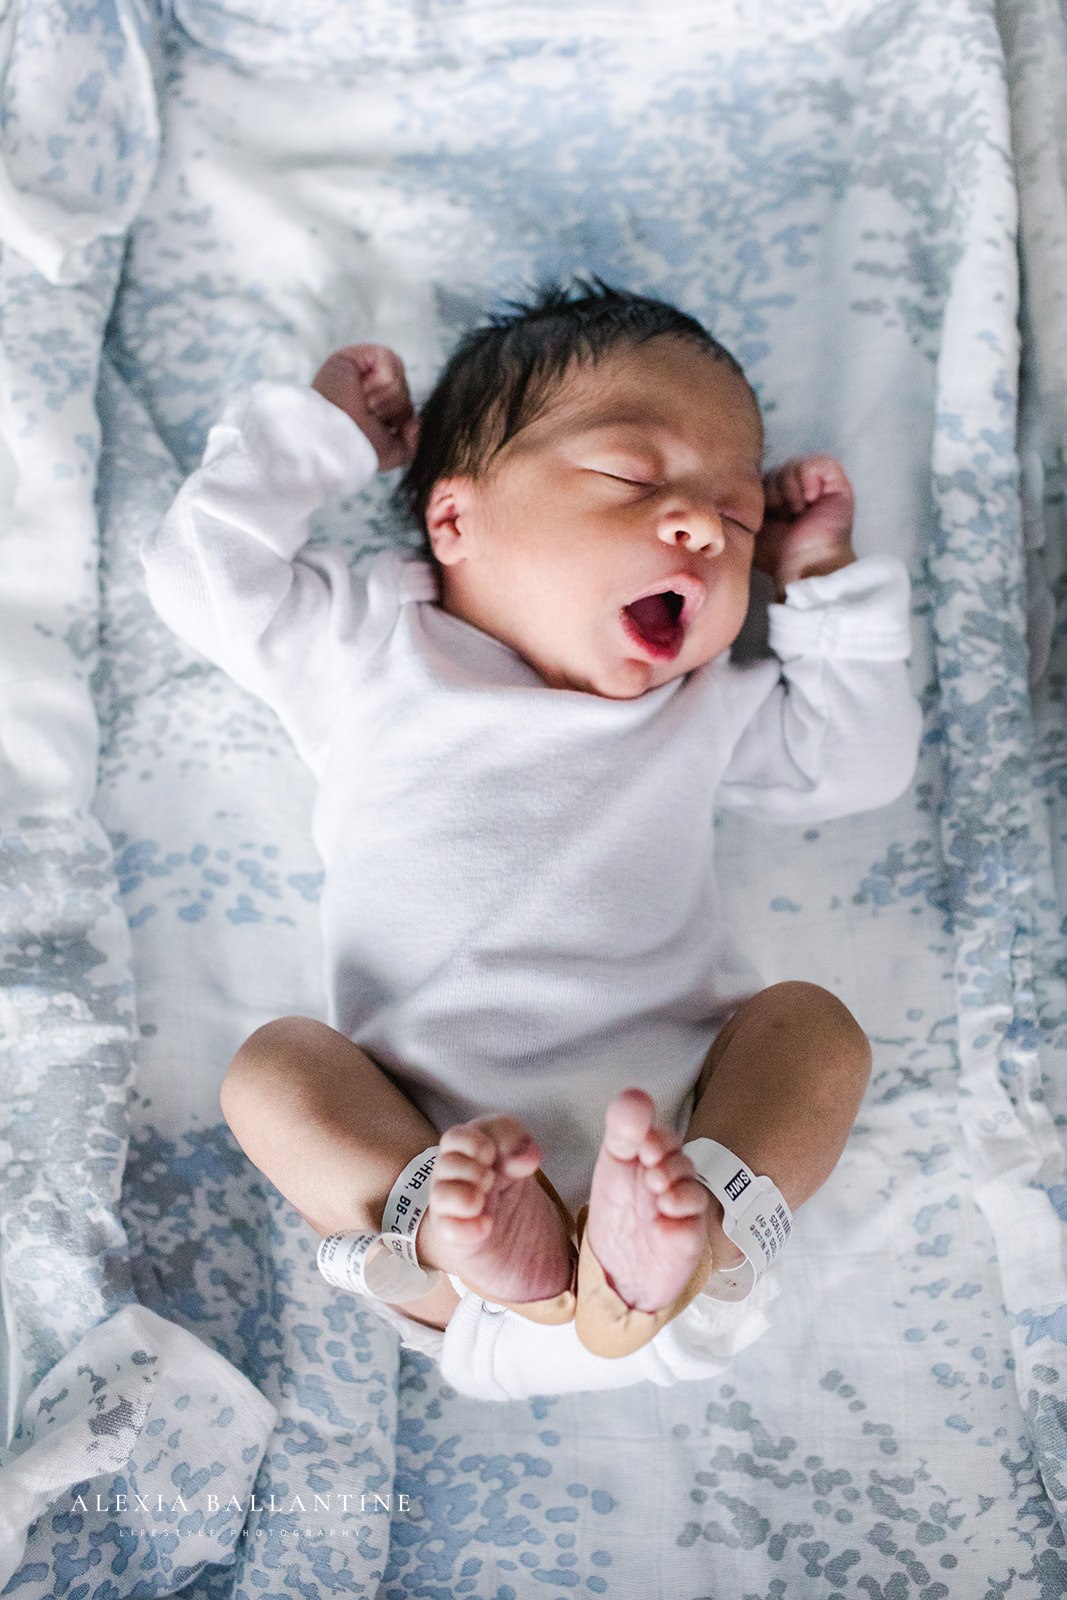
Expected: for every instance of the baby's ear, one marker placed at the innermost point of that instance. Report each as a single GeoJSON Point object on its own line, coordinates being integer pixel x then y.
{"type": "Point", "coordinates": [450, 519]}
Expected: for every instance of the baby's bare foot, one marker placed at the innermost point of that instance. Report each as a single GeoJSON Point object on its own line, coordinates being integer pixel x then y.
{"type": "Point", "coordinates": [648, 1212]}
{"type": "Point", "coordinates": [490, 1220]}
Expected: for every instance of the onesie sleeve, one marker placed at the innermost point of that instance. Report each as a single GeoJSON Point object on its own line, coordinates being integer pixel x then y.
{"type": "Point", "coordinates": [224, 568]}
{"type": "Point", "coordinates": [835, 726]}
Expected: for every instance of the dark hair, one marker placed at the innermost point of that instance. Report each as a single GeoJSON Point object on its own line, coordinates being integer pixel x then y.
{"type": "Point", "coordinates": [501, 375]}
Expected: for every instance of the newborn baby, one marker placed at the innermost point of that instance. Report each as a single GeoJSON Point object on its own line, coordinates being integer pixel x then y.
{"type": "Point", "coordinates": [520, 736]}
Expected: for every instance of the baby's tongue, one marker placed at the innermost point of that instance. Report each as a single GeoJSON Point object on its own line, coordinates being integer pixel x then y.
{"type": "Point", "coordinates": [653, 618]}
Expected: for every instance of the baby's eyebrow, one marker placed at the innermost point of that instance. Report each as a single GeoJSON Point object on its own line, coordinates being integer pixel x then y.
{"type": "Point", "coordinates": [616, 424]}
{"type": "Point", "coordinates": [624, 423]}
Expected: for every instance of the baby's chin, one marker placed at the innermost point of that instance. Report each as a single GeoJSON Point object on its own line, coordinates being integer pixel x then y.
{"type": "Point", "coordinates": [627, 679]}
{"type": "Point", "coordinates": [613, 674]}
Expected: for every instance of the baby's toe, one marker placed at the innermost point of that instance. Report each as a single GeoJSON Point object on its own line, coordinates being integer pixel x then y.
{"type": "Point", "coordinates": [657, 1145]}
{"type": "Point", "coordinates": [493, 1145]}
{"type": "Point", "coordinates": [460, 1185]}
{"type": "Point", "coordinates": [674, 1166]}
{"type": "Point", "coordinates": [465, 1139]}
{"type": "Point", "coordinates": [457, 1166]}
{"type": "Point", "coordinates": [686, 1198]}
{"type": "Point", "coordinates": [513, 1141]}
{"type": "Point", "coordinates": [470, 1140]}
{"type": "Point", "coordinates": [459, 1200]}
{"type": "Point", "coordinates": [627, 1123]}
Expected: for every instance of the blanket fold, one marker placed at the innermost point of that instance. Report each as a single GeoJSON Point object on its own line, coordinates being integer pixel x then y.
{"type": "Point", "coordinates": [141, 1449]}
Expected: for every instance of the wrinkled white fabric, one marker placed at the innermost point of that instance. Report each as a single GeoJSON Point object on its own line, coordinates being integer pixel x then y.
{"type": "Point", "coordinates": [117, 1419]}
{"type": "Point", "coordinates": [493, 1353]}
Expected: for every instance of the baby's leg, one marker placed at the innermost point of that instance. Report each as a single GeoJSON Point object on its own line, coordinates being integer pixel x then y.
{"type": "Point", "coordinates": [323, 1122]}
{"type": "Point", "coordinates": [779, 1088]}
{"type": "Point", "coordinates": [333, 1133]}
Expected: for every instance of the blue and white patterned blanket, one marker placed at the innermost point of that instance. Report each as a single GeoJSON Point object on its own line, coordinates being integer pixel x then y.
{"type": "Point", "coordinates": [198, 193]}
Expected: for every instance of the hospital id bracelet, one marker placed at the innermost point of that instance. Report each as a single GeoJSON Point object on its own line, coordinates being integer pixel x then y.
{"type": "Point", "coordinates": [361, 1262]}
{"type": "Point", "coordinates": [755, 1216]}
{"type": "Point", "coordinates": [407, 1205]}
{"type": "Point", "coordinates": [385, 1265]}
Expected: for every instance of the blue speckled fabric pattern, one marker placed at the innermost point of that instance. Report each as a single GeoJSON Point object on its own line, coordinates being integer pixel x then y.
{"type": "Point", "coordinates": [196, 195]}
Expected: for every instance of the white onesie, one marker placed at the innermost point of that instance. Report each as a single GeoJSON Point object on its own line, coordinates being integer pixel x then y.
{"type": "Point", "coordinates": [520, 906]}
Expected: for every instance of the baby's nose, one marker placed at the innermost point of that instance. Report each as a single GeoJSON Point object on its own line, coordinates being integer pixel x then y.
{"type": "Point", "coordinates": [696, 530]}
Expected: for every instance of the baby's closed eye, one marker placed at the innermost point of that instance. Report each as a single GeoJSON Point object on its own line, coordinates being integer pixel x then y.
{"type": "Point", "coordinates": [619, 472]}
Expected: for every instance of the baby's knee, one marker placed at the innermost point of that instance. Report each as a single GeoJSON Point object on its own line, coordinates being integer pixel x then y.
{"type": "Point", "coordinates": [279, 1043]}
{"type": "Point", "coordinates": [263, 1055]}
{"type": "Point", "coordinates": [817, 1014]}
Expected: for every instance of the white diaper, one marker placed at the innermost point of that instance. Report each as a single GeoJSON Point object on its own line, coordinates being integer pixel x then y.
{"type": "Point", "coordinates": [492, 1353]}
{"type": "Point", "coordinates": [413, 1335]}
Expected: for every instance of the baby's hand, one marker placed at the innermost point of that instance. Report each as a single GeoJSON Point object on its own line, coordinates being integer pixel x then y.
{"type": "Point", "coordinates": [807, 527]}
{"type": "Point", "coordinates": [367, 382]}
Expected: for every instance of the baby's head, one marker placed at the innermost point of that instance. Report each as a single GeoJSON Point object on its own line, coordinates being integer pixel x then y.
{"type": "Point", "coordinates": [588, 475]}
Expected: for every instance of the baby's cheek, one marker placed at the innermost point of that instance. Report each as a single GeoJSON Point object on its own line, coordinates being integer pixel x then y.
{"type": "Point", "coordinates": [726, 610]}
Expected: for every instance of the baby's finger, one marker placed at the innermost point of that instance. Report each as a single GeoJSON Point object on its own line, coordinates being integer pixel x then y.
{"type": "Point", "coordinates": [378, 401]}
{"type": "Point", "coordinates": [830, 476]}
{"type": "Point", "coordinates": [813, 479]}
{"type": "Point", "coordinates": [776, 487]}
{"type": "Point", "coordinates": [382, 384]}
{"type": "Point", "coordinates": [394, 410]}
{"type": "Point", "coordinates": [390, 400]}
{"type": "Point", "coordinates": [409, 433]}
{"type": "Point", "coordinates": [382, 438]}
{"type": "Point", "coordinates": [794, 487]}
{"type": "Point", "coordinates": [368, 357]}
{"type": "Point", "coordinates": [772, 491]}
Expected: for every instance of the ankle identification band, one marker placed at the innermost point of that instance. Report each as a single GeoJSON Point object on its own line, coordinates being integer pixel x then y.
{"type": "Point", "coordinates": [755, 1216]}
{"type": "Point", "coordinates": [407, 1205]}
{"type": "Point", "coordinates": [385, 1265]}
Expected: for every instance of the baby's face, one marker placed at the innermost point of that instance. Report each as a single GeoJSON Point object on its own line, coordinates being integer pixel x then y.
{"type": "Point", "coordinates": [610, 543]}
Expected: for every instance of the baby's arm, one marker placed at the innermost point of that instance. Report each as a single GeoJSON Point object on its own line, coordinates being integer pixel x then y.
{"type": "Point", "coordinates": [225, 569]}
{"type": "Point", "coordinates": [833, 726]}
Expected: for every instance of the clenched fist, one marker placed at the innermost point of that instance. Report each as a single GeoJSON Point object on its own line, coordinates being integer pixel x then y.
{"type": "Point", "coordinates": [807, 526]}
{"type": "Point", "coordinates": [367, 382]}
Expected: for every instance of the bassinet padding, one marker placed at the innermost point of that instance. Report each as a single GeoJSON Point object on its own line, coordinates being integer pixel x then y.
{"type": "Point", "coordinates": [197, 196]}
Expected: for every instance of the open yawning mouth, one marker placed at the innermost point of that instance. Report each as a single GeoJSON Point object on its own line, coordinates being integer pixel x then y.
{"type": "Point", "coordinates": [658, 621]}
